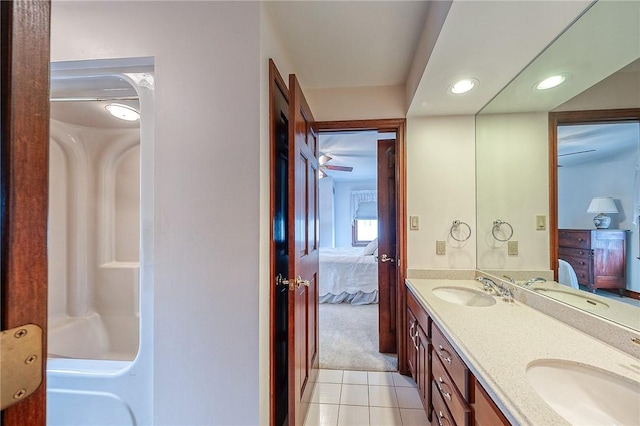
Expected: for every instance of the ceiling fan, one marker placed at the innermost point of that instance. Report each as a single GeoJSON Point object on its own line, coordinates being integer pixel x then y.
{"type": "Point", "coordinates": [324, 159]}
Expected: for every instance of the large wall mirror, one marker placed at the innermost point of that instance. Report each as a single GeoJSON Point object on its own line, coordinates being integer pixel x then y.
{"type": "Point", "coordinates": [517, 180]}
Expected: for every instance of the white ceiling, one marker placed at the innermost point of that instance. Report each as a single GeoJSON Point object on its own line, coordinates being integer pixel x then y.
{"type": "Point", "coordinates": [349, 43]}
{"type": "Point", "coordinates": [586, 143]}
{"type": "Point", "coordinates": [373, 43]}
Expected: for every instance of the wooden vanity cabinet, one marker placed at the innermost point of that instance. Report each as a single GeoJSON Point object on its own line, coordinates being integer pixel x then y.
{"type": "Point", "coordinates": [450, 393]}
{"type": "Point", "coordinates": [485, 411]}
{"type": "Point", "coordinates": [419, 349]}
{"type": "Point", "coordinates": [598, 256]}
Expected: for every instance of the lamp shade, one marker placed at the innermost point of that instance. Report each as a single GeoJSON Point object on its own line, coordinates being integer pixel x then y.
{"type": "Point", "coordinates": [602, 205]}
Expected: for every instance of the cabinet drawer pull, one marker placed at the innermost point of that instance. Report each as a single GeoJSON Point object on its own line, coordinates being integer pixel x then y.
{"type": "Point", "coordinates": [445, 358]}
{"type": "Point", "coordinates": [441, 417]}
{"type": "Point", "coordinates": [416, 342]}
{"type": "Point", "coordinates": [442, 391]}
{"type": "Point", "coordinates": [413, 324]}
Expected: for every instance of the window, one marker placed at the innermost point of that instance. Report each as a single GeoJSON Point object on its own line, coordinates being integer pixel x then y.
{"type": "Point", "coordinates": [364, 205]}
{"type": "Point", "coordinates": [364, 231]}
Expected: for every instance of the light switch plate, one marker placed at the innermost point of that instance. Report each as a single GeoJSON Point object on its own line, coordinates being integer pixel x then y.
{"type": "Point", "coordinates": [541, 222]}
{"type": "Point", "coordinates": [512, 248]}
{"type": "Point", "coordinates": [414, 223]}
{"type": "Point", "coordinates": [441, 248]}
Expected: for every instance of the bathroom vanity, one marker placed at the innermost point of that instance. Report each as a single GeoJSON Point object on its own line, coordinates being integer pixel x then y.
{"type": "Point", "coordinates": [480, 360]}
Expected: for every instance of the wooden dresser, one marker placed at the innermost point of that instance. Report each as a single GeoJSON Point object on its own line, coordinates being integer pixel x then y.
{"type": "Point", "coordinates": [597, 255]}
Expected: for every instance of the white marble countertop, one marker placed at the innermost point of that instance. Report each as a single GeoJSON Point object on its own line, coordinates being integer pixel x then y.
{"type": "Point", "coordinates": [498, 342]}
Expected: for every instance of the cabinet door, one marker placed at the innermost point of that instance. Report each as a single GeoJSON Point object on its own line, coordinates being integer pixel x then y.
{"type": "Point", "coordinates": [485, 411]}
{"type": "Point", "coordinates": [424, 366]}
{"type": "Point", "coordinates": [412, 351]}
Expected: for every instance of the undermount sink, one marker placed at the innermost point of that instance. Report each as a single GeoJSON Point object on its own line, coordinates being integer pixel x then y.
{"type": "Point", "coordinates": [577, 300]}
{"type": "Point", "coordinates": [585, 395]}
{"type": "Point", "coordinates": [464, 296]}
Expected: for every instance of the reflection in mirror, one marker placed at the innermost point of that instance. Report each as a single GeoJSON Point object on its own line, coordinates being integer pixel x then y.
{"type": "Point", "coordinates": [516, 175]}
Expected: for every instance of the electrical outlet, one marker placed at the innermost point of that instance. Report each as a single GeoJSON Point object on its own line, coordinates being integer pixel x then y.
{"type": "Point", "coordinates": [512, 248]}
{"type": "Point", "coordinates": [441, 247]}
{"type": "Point", "coordinates": [541, 222]}
{"type": "Point", "coordinates": [414, 223]}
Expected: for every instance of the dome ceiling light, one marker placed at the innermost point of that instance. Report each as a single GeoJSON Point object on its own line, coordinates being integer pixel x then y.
{"type": "Point", "coordinates": [123, 112]}
{"type": "Point", "coordinates": [551, 82]}
{"type": "Point", "coordinates": [463, 86]}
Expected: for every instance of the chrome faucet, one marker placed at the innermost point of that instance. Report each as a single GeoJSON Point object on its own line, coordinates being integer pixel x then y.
{"type": "Point", "coordinates": [528, 283]}
{"type": "Point", "coordinates": [489, 284]}
{"type": "Point", "coordinates": [500, 290]}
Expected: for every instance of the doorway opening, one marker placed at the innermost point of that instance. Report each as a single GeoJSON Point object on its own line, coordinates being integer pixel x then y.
{"type": "Point", "coordinates": [350, 230]}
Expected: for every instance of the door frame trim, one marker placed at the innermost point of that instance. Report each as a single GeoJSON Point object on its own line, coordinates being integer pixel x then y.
{"type": "Point", "coordinates": [276, 82]}
{"type": "Point", "coordinates": [397, 125]}
{"type": "Point", "coordinates": [24, 187]}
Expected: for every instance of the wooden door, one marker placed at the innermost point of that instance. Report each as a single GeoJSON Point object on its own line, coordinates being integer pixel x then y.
{"type": "Point", "coordinates": [387, 246]}
{"type": "Point", "coordinates": [303, 230]}
{"type": "Point", "coordinates": [24, 149]}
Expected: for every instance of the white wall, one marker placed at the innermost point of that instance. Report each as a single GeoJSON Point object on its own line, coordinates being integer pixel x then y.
{"type": "Point", "coordinates": [343, 209]}
{"type": "Point", "coordinates": [326, 212]}
{"type": "Point", "coordinates": [613, 177]}
{"type": "Point", "coordinates": [356, 103]}
{"type": "Point", "coordinates": [513, 186]}
{"type": "Point", "coordinates": [207, 129]}
{"type": "Point", "coordinates": [441, 189]}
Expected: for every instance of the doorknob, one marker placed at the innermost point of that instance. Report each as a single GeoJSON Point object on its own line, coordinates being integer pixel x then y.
{"type": "Point", "coordinates": [291, 282]}
{"type": "Point", "coordinates": [385, 259]}
{"type": "Point", "coordinates": [20, 363]}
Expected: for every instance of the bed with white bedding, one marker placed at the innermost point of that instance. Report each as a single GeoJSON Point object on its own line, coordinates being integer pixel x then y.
{"type": "Point", "coordinates": [348, 275]}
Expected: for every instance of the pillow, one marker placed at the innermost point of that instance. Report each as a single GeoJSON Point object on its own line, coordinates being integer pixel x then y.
{"type": "Point", "coordinates": [370, 248]}
{"type": "Point", "coordinates": [375, 253]}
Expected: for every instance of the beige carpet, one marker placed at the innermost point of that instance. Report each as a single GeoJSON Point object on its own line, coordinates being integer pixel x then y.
{"type": "Point", "coordinates": [349, 338]}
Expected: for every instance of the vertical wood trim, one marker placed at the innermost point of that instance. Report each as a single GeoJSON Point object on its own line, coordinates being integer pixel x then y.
{"type": "Point", "coordinates": [24, 116]}
{"type": "Point", "coordinates": [276, 83]}
{"type": "Point", "coordinates": [553, 194]}
{"type": "Point", "coordinates": [401, 235]}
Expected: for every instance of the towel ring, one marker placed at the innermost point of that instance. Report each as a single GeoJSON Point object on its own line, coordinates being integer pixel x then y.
{"type": "Point", "coordinates": [497, 224]}
{"type": "Point", "coordinates": [456, 224]}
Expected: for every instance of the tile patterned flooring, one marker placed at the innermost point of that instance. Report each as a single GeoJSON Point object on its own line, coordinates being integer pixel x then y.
{"type": "Point", "coordinates": [363, 398]}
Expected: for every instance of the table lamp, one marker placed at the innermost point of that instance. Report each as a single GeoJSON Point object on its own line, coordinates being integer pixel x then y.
{"type": "Point", "coordinates": [602, 205]}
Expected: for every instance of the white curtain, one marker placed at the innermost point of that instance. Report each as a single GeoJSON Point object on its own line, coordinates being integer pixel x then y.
{"type": "Point", "coordinates": [367, 200]}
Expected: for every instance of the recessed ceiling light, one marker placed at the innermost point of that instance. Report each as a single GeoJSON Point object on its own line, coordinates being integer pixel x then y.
{"type": "Point", "coordinates": [463, 86]}
{"type": "Point", "coordinates": [552, 81]}
{"type": "Point", "coordinates": [123, 112]}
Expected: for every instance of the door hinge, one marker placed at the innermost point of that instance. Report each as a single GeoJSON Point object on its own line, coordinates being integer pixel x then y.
{"type": "Point", "coordinates": [20, 363]}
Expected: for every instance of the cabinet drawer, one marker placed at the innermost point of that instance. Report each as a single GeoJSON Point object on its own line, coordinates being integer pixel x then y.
{"type": "Point", "coordinates": [458, 407]}
{"type": "Point", "coordinates": [577, 239]}
{"type": "Point", "coordinates": [582, 266]}
{"type": "Point", "coordinates": [419, 312]}
{"type": "Point", "coordinates": [440, 414]}
{"type": "Point", "coordinates": [452, 363]}
{"type": "Point", "coordinates": [575, 252]}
